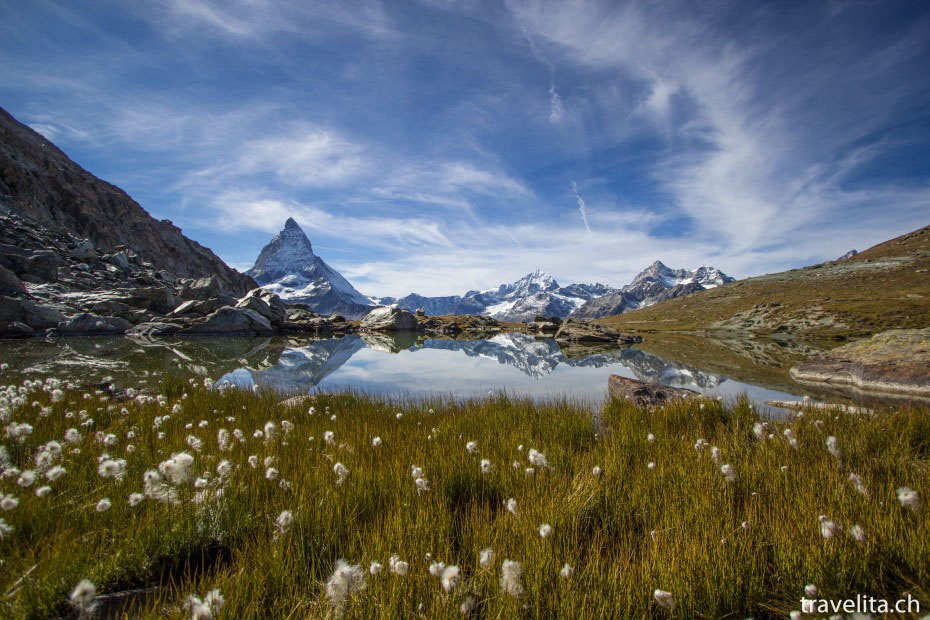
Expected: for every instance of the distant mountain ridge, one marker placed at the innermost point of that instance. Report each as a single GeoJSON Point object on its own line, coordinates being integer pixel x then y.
{"type": "Point", "coordinates": [288, 267]}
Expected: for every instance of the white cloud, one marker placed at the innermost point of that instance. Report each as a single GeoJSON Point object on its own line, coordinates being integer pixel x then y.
{"type": "Point", "coordinates": [556, 110]}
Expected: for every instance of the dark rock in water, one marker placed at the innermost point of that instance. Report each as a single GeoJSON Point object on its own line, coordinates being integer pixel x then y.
{"type": "Point", "coordinates": [896, 361]}
{"type": "Point", "coordinates": [229, 320]}
{"type": "Point", "coordinates": [389, 320]}
{"type": "Point", "coordinates": [36, 316]}
{"type": "Point", "coordinates": [155, 329]}
{"type": "Point", "coordinates": [87, 323]}
{"type": "Point", "coordinates": [573, 330]}
{"type": "Point", "coordinates": [544, 324]}
{"type": "Point", "coordinates": [645, 394]}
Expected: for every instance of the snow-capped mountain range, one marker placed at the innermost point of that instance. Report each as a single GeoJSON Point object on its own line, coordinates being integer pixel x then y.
{"type": "Point", "coordinates": [288, 267]}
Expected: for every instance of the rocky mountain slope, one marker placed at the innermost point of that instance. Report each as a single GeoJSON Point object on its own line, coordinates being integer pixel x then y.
{"type": "Point", "coordinates": [40, 181]}
{"type": "Point", "coordinates": [288, 267]}
{"type": "Point", "coordinates": [654, 284]}
{"type": "Point", "coordinates": [884, 287]}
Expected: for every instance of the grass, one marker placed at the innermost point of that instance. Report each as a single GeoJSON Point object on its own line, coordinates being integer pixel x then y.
{"type": "Point", "coordinates": [882, 288]}
{"type": "Point", "coordinates": [626, 532]}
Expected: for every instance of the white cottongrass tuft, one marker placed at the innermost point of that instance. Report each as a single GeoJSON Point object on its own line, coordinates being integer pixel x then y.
{"type": "Point", "coordinates": [222, 439]}
{"type": "Point", "coordinates": [908, 498]}
{"type": "Point", "coordinates": [486, 466]}
{"type": "Point", "coordinates": [26, 478]}
{"type": "Point", "coordinates": [833, 447]}
{"type": "Point", "coordinates": [450, 578]}
{"type": "Point", "coordinates": [43, 491]}
{"type": "Point", "coordinates": [346, 580]}
{"type": "Point", "coordinates": [283, 523]}
{"type": "Point", "coordinates": [82, 597]}
{"type": "Point", "coordinates": [859, 484]}
{"type": "Point", "coordinates": [416, 472]}
{"type": "Point", "coordinates": [650, 465]}
{"type": "Point", "coordinates": [486, 557]}
{"type": "Point", "coordinates": [468, 604]}
{"type": "Point", "coordinates": [471, 447]}
{"type": "Point", "coordinates": [795, 615]}
{"type": "Point", "coordinates": [272, 473]}
{"type": "Point", "coordinates": [104, 505]}
{"type": "Point", "coordinates": [5, 528]}
{"type": "Point", "coordinates": [207, 608]}
{"type": "Point", "coordinates": [154, 487]}
{"type": "Point", "coordinates": [422, 485]}
{"type": "Point", "coordinates": [827, 527]}
{"type": "Point", "coordinates": [177, 468]}
{"type": "Point", "coordinates": [664, 599]}
{"type": "Point", "coordinates": [715, 454]}
{"type": "Point", "coordinates": [253, 462]}
{"type": "Point", "coordinates": [341, 472]}
{"type": "Point", "coordinates": [728, 472]}
{"type": "Point", "coordinates": [650, 438]}
{"type": "Point", "coordinates": [112, 468]}
{"type": "Point", "coordinates": [545, 530]}
{"type": "Point", "coordinates": [375, 568]}
{"type": "Point", "coordinates": [375, 442]}
{"type": "Point", "coordinates": [436, 568]}
{"type": "Point", "coordinates": [329, 437]}
{"type": "Point", "coordinates": [857, 533]}
{"type": "Point", "coordinates": [566, 571]}
{"type": "Point", "coordinates": [758, 430]}
{"type": "Point", "coordinates": [700, 444]}
{"type": "Point", "coordinates": [596, 471]}
{"type": "Point", "coordinates": [135, 499]}
{"type": "Point", "coordinates": [511, 505]}
{"type": "Point", "coordinates": [810, 590]}
{"type": "Point", "coordinates": [536, 458]}
{"type": "Point", "coordinates": [512, 578]}
{"type": "Point", "coordinates": [398, 566]}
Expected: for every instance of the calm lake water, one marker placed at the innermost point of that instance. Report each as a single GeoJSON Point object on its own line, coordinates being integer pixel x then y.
{"type": "Point", "coordinates": [403, 365]}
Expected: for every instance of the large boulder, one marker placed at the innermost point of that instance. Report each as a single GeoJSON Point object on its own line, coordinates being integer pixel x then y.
{"type": "Point", "coordinates": [645, 394]}
{"type": "Point", "coordinates": [573, 330]}
{"type": "Point", "coordinates": [204, 289]}
{"type": "Point", "coordinates": [29, 313]}
{"type": "Point", "coordinates": [266, 304]}
{"type": "Point", "coordinates": [9, 283]}
{"type": "Point", "coordinates": [229, 320]}
{"type": "Point", "coordinates": [45, 264]}
{"type": "Point", "coordinates": [88, 323]}
{"type": "Point", "coordinates": [195, 307]}
{"type": "Point", "coordinates": [389, 320]}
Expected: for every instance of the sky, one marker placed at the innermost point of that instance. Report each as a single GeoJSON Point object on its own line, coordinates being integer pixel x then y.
{"type": "Point", "coordinates": [441, 146]}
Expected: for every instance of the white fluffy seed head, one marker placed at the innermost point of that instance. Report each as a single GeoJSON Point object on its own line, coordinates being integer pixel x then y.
{"type": "Point", "coordinates": [486, 557]}
{"type": "Point", "coordinates": [664, 599]}
{"type": "Point", "coordinates": [511, 505]}
{"type": "Point", "coordinates": [82, 596]}
{"type": "Point", "coordinates": [537, 459]}
{"type": "Point", "coordinates": [545, 530]}
{"type": "Point", "coordinates": [511, 578]}
{"type": "Point", "coordinates": [566, 571]}
{"type": "Point", "coordinates": [450, 578]}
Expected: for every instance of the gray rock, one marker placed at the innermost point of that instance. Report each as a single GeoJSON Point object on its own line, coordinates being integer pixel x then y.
{"type": "Point", "coordinates": [121, 260]}
{"type": "Point", "coordinates": [154, 329]}
{"type": "Point", "coordinates": [266, 304]}
{"type": "Point", "coordinates": [573, 330]}
{"type": "Point", "coordinates": [84, 250]}
{"type": "Point", "coordinates": [195, 307]}
{"type": "Point", "coordinates": [205, 288]}
{"type": "Point", "coordinates": [30, 313]}
{"type": "Point", "coordinates": [45, 264]}
{"type": "Point", "coordinates": [229, 320]}
{"type": "Point", "coordinates": [9, 283]}
{"type": "Point", "coordinates": [15, 330]}
{"type": "Point", "coordinates": [88, 323]}
{"type": "Point", "coordinates": [645, 394]}
{"type": "Point", "coordinates": [389, 320]}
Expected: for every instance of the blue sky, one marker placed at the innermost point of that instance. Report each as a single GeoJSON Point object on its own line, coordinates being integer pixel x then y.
{"type": "Point", "coordinates": [439, 146]}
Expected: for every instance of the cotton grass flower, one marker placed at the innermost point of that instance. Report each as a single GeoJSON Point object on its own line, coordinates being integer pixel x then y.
{"type": "Point", "coordinates": [650, 465]}
{"type": "Point", "coordinates": [416, 472]}
{"type": "Point", "coordinates": [758, 430]}
{"type": "Point", "coordinates": [283, 523]}
{"type": "Point", "coordinates": [422, 485]}
{"type": "Point", "coordinates": [566, 571]}
{"type": "Point", "coordinates": [827, 527]}
{"type": "Point", "coordinates": [511, 581]}
{"type": "Point", "coordinates": [112, 468]}
{"type": "Point", "coordinates": [375, 442]}
{"type": "Point", "coordinates": [450, 578]}
{"type": "Point", "coordinates": [346, 580]}
{"type": "Point", "coordinates": [651, 438]}
{"type": "Point", "coordinates": [253, 461]}
{"type": "Point", "coordinates": [135, 499]}
{"type": "Point", "coordinates": [471, 447]}
{"type": "Point", "coordinates": [329, 437]}
{"type": "Point", "coordinates": [728, 472]}
{"type": "Point", "coordinates": [104, 505]}
{"type": "Point", "coordinates": [486, 466]}
{"type": "Point", "coordinates": [272, 473]}
{"type": "Point", "coordinates": [833, 447]}
{"type": "Point", "coordinates": [341, 472]}
{"type": "Point", "coordinates": [908, 498]}
{"type": "Point", "coordinates": [9, 502]}
{"type": "Point", "coordinates": [545, 530]}
{"type": "Point", "coordinates": [664, 599]}
{"type": "Point", "coordinates": [5, 528]}
{"type": "Point", "coordinates": [177, 468]}
{"type": "Point", "coordinates": [859, 484]}
{"type": "Point", "coordinates": [596, 471]}
{"type": "Point", "coordinates": [537, 459]}
{"type": "Point", "coordinates": [398, 566]}
{"type": "Point", "coordinates": [155, 487]}
{"type": "Point", "coordinates": [715, 454]}
{"type": "Point", "coordinates": [26, 479]}
{"type": "Point", "coordinates": [511, 505]}
{"type": "Point", "coordinates": [435, 569]}
{"type": "Point", "coordinates": [857, 532]}
{"type": "Point", "coordinates": [43, 491]}
{"type": "Point", "coordinates": [468, 604]}
{"type": "Point", "coordinates": [486, 557]}
{"type": "Point", "coordinates": [82, 597]}
{"type": "Point", "coordinates": [810, 590]}
{"type": "Point", "coordinates": [375, 568]}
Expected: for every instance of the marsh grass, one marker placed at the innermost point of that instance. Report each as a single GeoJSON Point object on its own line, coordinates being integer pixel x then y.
{"type": "Point", "coordinates": [626, 532]}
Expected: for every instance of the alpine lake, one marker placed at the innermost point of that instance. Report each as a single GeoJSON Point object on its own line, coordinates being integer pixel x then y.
{"type": "Point", "coordinates": [407, 365]}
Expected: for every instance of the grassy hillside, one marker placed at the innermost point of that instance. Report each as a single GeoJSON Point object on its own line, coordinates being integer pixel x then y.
{"type": "Point", "coordinates": [885, 287]}
{"type": "Point", "coordinates": [264, 515]}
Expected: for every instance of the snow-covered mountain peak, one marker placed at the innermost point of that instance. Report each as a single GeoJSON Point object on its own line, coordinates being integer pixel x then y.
{"type": "Point", "coordinates": [529, 284]}
{"type": "Point", "coordinates": [288, 267]}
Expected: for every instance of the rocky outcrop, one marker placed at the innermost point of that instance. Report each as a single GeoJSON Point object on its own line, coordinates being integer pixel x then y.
{"type": "Point", "coordinates": [544, 325]}
{"type": "Point", "coordinates": [230, 320]}
{"type": "Point", "coordinates": [645, 394]}
{"type": "Point", "coordinates": [896, 361]}
{"type": "Point", "coordinates": [573, 330]}
{"type": "Point", "coordinates": [87, 323]}
{"type": "Point", "coordinates": [389, 320]}
{"type": "Point", "coordinates": [40, 181]}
